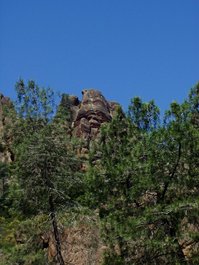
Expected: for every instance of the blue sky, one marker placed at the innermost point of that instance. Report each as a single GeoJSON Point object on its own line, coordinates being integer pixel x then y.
{"type": "Point", "coordinates": [125, 48]}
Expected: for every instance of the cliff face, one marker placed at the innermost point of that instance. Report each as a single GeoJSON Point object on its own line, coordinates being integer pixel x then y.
{"type": "Point", "coordinates": [5, 105]}
{"type": "Point", "coordinates": [93, 111]}
{"type": "Point", "coordinates": [81, 244]}
{"type": "Point", "coordinates": [4, 101]}
{"type": "Point", "coordinates": [89, 114]}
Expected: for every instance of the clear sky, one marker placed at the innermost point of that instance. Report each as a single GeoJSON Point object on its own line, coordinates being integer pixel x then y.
{"type": "Point", "coordinates": [125, 48]}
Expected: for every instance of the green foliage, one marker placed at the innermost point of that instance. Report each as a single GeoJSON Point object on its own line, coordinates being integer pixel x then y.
{"type": "Point", "coordinates": [4, 176]}
{"type": "Point", "coordinates": [33, 102]}
{"type": "Point", "coordinates": [20, 240]}
{"type": "Point", "coordinates": [45, 164]}
{"type": "Point", "coordinates": [45, 176]}
{"type": "Point", "coordinates": [146, 183]}
{"type": "Point", "coordinates": [63, 111]}
{"type": "Point", "coordinates": [143, 115]}
{"type": "Point", "coordinates": [143, 181]}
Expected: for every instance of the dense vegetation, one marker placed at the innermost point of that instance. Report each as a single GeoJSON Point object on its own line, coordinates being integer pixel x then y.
{"type": "Point", "coordinates": [142, 181]}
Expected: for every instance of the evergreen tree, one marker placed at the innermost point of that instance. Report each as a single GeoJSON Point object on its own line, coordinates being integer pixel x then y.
{"type": "Point", "coordinates": [115, 183]}
{"type": "Point", "coordinates": [46, 166]}
{"type": "Point", "coordinates": [146, 184]}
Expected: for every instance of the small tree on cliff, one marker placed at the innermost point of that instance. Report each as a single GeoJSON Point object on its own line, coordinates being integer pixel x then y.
{"type": "Point", "coordinates": [45, 165]}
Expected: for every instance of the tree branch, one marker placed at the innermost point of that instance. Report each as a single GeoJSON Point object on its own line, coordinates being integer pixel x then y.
{"type": "Point", "coordinates": [172, 174]}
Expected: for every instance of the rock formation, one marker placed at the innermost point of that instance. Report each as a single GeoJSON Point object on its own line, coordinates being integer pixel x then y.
{"type": "Point", "coordinates": [80, 245]}
{"type": "Point", "coordinates": [88, 115]}
{"type": "Point", "coordinates": [93, 111]}
{"type": "Point", "coordinates": [84, 117]}
{"type": "Point", "coordinates": [5, 106]}
{"type": "Point", "coordinates": [4, 101]}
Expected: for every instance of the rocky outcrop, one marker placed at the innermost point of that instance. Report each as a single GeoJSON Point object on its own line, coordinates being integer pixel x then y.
{"type": "Point", "coordinates": [4, 101]}
{"type": "Point", "coordinates": [80, 245]}
{"type": "Point", "coordinates": [87, 116]}
{"type": "Point", "coordinates": [189, 245]}
{"type": "Point", "coordinates": [84, 118]}
{"type": "Point", "coordinates": [5, 154]}
{"type": "Point", "coordinates": [93, 111]}
{"type": "Point", "coordinates": [5, 106]}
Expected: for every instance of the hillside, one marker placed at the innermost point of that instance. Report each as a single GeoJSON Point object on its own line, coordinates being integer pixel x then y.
{"type": "Point", "coordinates": [88, 184]}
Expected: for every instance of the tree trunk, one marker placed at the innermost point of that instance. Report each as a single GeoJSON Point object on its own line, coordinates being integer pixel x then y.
{"type": "Point", "coordinates": [53, 216]}
{"type": "Point", "coordinates": [56, 231]}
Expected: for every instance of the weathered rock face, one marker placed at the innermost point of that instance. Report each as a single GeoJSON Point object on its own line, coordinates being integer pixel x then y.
{"type": "Point", "coordinates": [5, 103]}
{"type": "Point", "coordinates": [80, 245]}
{"type": "Point", "coordinates": [90, 114]}
{"type": "Point", "coordinates": [190, 247]}
{"type": "Point", "coordinates": [94, 110]}
{"type": "Point", "coordinates": [85, 117]}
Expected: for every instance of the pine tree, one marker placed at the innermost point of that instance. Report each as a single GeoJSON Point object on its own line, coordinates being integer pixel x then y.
{"type": "Point", "coordinates": [146, 184]}
{"type": "Point", "coordinates": [46, 166]}
{"type": "Point", "coordinates": [114, 183]}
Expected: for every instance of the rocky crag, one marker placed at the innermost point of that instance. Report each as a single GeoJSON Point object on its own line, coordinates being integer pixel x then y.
{"type": "Point", "coordinates": [5, 106]}
{"type": "Point", "coordinates": [91, 112]}
{"type": "Point", "coordinates": [86, 117]}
